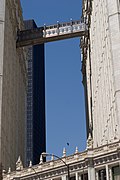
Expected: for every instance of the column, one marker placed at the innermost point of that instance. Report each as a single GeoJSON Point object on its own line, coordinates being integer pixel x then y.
{"type": "Point", "coordinates": [107, 172]}
{"type": "Point", "coordinates": [91, 173]}
{"type": "Point", "coordinates": [79, 177]}
{"type": "Point", "coordinates": [97, 175]}
{"type": "Point", "coordinates": [76, 176]}
{"type": "Point", "coordinates": [110, 174]}
{"type": "Point", "coordinates": [64, 177]}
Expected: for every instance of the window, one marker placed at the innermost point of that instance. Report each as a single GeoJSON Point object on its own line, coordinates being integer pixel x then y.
{"type": "Point", "coordinates": [84, 176]}
{"type": "Point", "coordinates": [116, 173]}
{"type": "Point", "coordinates": [102, 174]}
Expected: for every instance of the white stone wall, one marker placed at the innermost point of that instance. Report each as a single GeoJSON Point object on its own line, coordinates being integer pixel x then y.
{"type": "Point", "coordinates": [105, 70]}
{"type": "Point", "coordinates": [13, 86]}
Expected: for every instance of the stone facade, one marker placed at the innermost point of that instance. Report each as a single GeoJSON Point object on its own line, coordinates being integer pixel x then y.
{"type": "Point", "coordinates": [12, 85]}
{"type": "Point", "coordinates": [101, 69]}
{"type": "Point", "coordinates": [92, 164]}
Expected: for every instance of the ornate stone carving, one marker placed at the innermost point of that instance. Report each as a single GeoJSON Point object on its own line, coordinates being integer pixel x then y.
{"type": "Point", "coordinates": [89, 142]}
{"type": "Point", "coordinates": [19, 165]}
{"type": "Point", "coordinates": [91, 158]}
{"type": "Point", "coordinates": [41, 159]}
{"type": "Point", "coordinates": [64, 152]}
{"type": "Point", "coordinates": [30, 164]}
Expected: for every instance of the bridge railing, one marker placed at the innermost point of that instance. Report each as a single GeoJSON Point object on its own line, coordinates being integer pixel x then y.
{"type": "Point", "coordinates": [64, 28]}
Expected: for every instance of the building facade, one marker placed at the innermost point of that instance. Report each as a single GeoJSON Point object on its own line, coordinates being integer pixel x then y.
{"type": "Point", "coordinates": [100, 49]}
{"type": "Point", "coordinates": [12, 85]}
{"type": "Point", "coordinates": [35, 125]}
{"type": "Point", "coordinates": [102, 163]}
{"type": "Point", "coordinates": [101, 69]}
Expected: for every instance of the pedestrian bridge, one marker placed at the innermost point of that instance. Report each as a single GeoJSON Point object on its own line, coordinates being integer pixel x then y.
{"type": "Point", "coordinates": [50, 33]}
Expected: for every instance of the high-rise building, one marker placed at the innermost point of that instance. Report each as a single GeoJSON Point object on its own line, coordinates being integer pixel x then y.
{"type": "Point", "coordinates": [12, 85]}
{"type": "Point", "coordinates": [101, 70]}
{"type": "Point", "coordinates": [35, 125]}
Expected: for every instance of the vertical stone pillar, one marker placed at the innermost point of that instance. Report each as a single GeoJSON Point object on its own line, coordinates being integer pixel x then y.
{"type": "Point", "coordinates": [91, 173]}
{"type": "Point", "coordinates": [64, 177]}
{"type": "Point", "coordinates": [76, 176]}
{"type": "Point", "coordinates": [79, 177]}
{"type": "Point", "coordinates": [107, 172]}
{"type": "Point", "coordinates": [91, 169]}
{"type": "Point", "coordinates": [97, 175]}
{"type": "Point", "coordinates": [110, 174]}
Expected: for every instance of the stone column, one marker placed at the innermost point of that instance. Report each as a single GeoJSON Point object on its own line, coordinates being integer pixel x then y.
{"type": "Point", "coordinates": [89, 160]}
{"type": "Point", "coordinates": [97, 175]}
{"type": "Point", "coordinates": [76, 176]}
{"type": "Point", "coordinates": [79, 177]}
{"type": "Point", "coordinates": [64, 177]}
{"type": "Point", "coordinates": [110, 174]}
{"type": "Point", "coordinates": [91, 169]}
{"type": "Point", "coordinates": [91, 173]}
{"type": "Point", "coordinates": [107, 172]}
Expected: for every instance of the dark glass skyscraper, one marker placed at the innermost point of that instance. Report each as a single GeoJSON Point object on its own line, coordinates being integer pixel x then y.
{"type": "Point", "coordinates": [36, 132]}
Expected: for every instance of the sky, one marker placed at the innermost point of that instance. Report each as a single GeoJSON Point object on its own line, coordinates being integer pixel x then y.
{"type": "Point", "coordinates": [65, 112]}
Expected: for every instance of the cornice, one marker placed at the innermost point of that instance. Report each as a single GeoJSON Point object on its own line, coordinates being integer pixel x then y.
{"type": "Point", "coordinates": [97, 158]}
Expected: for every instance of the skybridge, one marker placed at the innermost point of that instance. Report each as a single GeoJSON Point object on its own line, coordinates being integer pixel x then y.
{"type": "Point", "coordinates": [51, 33]}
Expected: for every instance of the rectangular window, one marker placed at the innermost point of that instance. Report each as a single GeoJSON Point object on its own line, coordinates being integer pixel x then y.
{"type": "Point", "coordinates": [116, 173]}
{"type": "Point", "coordinates": [102, 174]}
{"type": "Point", "coordinates": [84, 176]}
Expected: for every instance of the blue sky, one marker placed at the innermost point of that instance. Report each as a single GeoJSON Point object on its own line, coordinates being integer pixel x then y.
{"type": "Point", "coordinates": [65, 113]}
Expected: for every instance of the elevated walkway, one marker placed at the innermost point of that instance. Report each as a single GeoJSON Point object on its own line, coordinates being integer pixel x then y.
{"type": "Point", "coordinates": [50, 33]}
